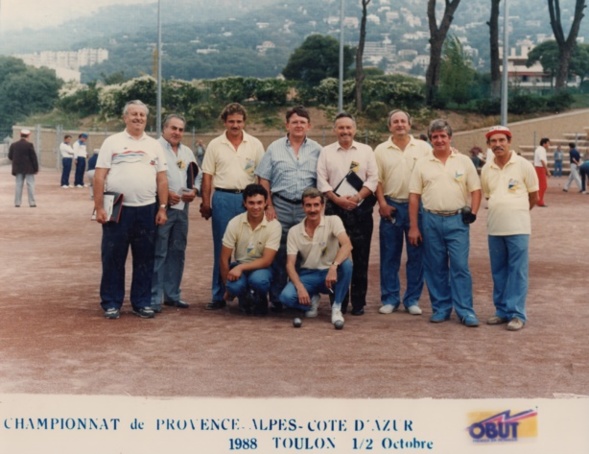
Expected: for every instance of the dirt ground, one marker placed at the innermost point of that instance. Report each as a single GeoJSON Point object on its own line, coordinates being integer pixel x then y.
{"type": "Point", "coordinates": [53, 338]}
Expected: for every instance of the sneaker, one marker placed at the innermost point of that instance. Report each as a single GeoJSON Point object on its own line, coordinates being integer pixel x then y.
{"type": "Point", "coordinates": [414, 310]}
{"type": "Point", "coordinates": [144, 312]}
{"type": "Point", "coordinates": [496, 320]}
{"type": "Point", "coordinates": [387, 309]}
{"type": "Point", "coordinates": [156, 309]}
{"type": "Point", "coordinates": [439, 318]}
{"type": "Point", "coordinates": [314, 311]}
{"type": "Point", "coordinates": [79, 186]}
{"type": "Point", "coordinates": [565, 190]}
{"type": "Point", "coordinates": [65, 186]}
{"type": "Point", "coordinates": [215, 305]}
{"type": "Point", "coordinates": [112, 313]}
{"type": "Point", "coordinates": [515, 324]}
{"type": "Point", "coordinates": [357, 311]}
{"type": "Point", "coordinates": [178, 304]}
{"type": "Point", "coordinates": [470, 321]}
{"type": "Point", "coordinates": [337, 318]}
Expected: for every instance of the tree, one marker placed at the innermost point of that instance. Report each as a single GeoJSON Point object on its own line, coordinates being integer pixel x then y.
{"type": "Point", "coordinates": [436, 41]}
{"type": "Point", "coordinates": [316, 59]}
{"type": "Point", "coordinates": [456, 73]}
{"type": "Point", "coordinates": [494, 48]}
{"type": "Point", "coordinates": [566, 45]}
{"type": "Point", "coordinates": [580, 62]}
{"type": "Point", "coordinates": [360, 56]}
{"type": "Point", "coordinates": [548, 56]}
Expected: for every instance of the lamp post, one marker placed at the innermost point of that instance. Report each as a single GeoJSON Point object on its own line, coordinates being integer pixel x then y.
{"type": "Point", "coordinates": [340, 91]}
{"type": "Point", "coordinates": [505, 75]}
{"type": "Point", "coordinates": [159, 70]}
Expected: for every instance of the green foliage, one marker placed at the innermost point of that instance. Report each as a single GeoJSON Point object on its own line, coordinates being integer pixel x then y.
{"type": "Point", "coordinates": [560, 101]}
{"type": "Point", "coordinates": [457, 74]}
{"type": "Point", "coordinates": [547, 54]}
{"type": "Point", "coordinates": [317, 59]}
{"type": "Point", "coordinates": [82, 102]}
{"type": "Point", "coordinates": [240, 89]}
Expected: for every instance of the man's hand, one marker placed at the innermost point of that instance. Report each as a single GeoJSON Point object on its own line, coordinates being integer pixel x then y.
{"type": "Point", "coordinates": [346, 203]}
{"type": "Point", "coordinates": [331, 277]}
{"type": "Point", "coordinates": [387, 212]}
{"type": "Point", "coordinates": [161, 217]}
{"type": "Point", "coordinates": [414, 236]}
{"type": "Point", "coordinates": [173, 198]}
{"type": "Point", "coordinates": [101, 216]}
{"type": "Point", "coordinates": [303, 295]}
{"type": "Point", "coordinates": [468, 217]}
{"type": "Point", "coordinates": [270, 213]}
{"type": "Point", "coordinates": [205, 211]}
{"type": "Point", "coordinates": [188, 196]}
{"type": "Point", "coordinates": [234, 273]}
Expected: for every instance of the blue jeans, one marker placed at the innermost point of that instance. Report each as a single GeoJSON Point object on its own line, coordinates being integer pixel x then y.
{"type": "Point", "coordinates": [66, 170]}
{"type": "Point", "coordinates": [225, 207]}
{"type": "Point", "coordinates": [80, 171]}
{"type": "Point", "coordinates": [20, 180]}
{"type": "Point", "coordinates": [446, 245]}
{"type": "Point", "coordinates": [391, 249]}
{"type": "Point", "coordinates": [136, 228]}
{"type": "Point", "coordinates": [509, 267]}
{"type": "Point", "coordinates": [257, 280]}
{"type": "Point", "coordinates": [558, 168]}
{"type": "Point", "coordinates": [170, 252]}
{"type": "Point", "coordinates": [314, 283]}
{"type": "Point", "coordinates": [584, 173]}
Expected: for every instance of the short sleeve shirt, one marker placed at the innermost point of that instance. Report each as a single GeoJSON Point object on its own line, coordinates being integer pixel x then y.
{"type": "Point", "coordinates": [247, 244]}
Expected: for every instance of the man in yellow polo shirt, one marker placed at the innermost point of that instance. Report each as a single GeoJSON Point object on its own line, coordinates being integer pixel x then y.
{"type": "Point", "coordinates": [511, 185]}
{"type": "Point", "coordinates": [253, 242]}
{"type": "Point", "coordinates": [445, 181]}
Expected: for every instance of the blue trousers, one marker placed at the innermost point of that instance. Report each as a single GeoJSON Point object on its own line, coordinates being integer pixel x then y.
{"type": "Point", "coordinates": [225, 207]}
{"type": "Point", "coordinates": [509, 267]}
{"type": "Point", "coordinates": [314, 283]}
{"type": "Point", "coordinates": [391, 249]}
{"type": "Point", "coordinates": [80, 171]}
{"type": "Point", "coordinates": [136, 229]}
{"type": "Point", "coordinates": [170, 253]}
{"type": "Point", "coordinates": [446, 246]}
{"type": "Point", "coordinates": [66, 170]}
{"type": "Point", "coordinates": [257, 280]}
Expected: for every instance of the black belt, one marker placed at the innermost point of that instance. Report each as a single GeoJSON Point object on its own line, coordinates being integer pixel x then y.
{"type": "Point", "coordinates": [294, 202]}
{"type": "Point", "coordinates": [230, 191]}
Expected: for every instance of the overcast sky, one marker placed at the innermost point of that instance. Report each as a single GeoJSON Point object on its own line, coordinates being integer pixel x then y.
{"type": "Point", "coordinates": [17, 14]}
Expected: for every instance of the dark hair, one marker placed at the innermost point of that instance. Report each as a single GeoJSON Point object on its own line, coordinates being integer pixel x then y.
{"type": "Point", "coordinates": [233, 108]}
{"type": "Point", "coordinates": [300, 111]}
{"type": "Point", "coordinates": [171, 116]}
{"type": "Point", "coordinates": [571, 144]}
{"type": "Point", "coordinates": [66, 136]}
{"type": "Point", "coordinates": [544, 140]}
{"type": "Point", "coordinates": [254, 189]}
{"type": "Point", "coordinates": [396, 111]}
{"type": "Point", "coordinates": [313, 193]}
{"type": "Point", "coordinates": [439, 125]}
{"type": "Point", "coordinates": [344, 115]}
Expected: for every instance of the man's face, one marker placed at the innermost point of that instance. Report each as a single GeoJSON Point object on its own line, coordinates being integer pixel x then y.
{"type": "Point", "coordinates": [345, 130]}
{"type": "Point", "coordinates": [67, 140]}
{"type": "Point", "coordinates": [399, 125]}
{"type": "Point", "coordinates": [440, 141]}
{"type": "Point", "coordinates": [499, 143]}
{"type": "Point", "coordinates": [255, 206]}
{"type": "Point", "coordinates": [297, 127]}
{"type": "Point", "coordinates": [173, 132]}
{"type": "Point", "coordinates": [313, 207]}
{"type": "Point", "coordinates": [234, 125]}
{"type": "Point", "coordinates": [135, 119]}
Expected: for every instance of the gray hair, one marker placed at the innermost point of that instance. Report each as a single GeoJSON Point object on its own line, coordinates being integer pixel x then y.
{"type": "Point", "coordinates": [439, 125]}
{"type": "Point", "coordinates": [396, 111]}
{"type": "Point", "coordinates": [313, 193]}
{"type": "Point", "coordinates": [170, 117]}
{"type": "Point", "coordinates": [135, 102]}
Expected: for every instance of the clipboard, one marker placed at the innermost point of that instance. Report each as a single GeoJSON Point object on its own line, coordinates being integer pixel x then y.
{"type": "Point", "coordinates": [350, 185]}
{"type": "Point", "coordinates": [113, 205]}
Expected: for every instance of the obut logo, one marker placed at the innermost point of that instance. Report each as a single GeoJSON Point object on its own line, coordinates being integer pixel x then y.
{"type": "Point", "coordinates": [489, 427]}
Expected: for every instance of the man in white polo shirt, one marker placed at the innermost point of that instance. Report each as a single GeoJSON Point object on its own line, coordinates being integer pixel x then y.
{"type": "Point", "coordinates": [511, 185]}
{"type": "Point", "coordinates": [253, 241]}
{"type": "Point", "coordinates": [323, 247]}
{"type": "Point", "coordinates": [446, 182]}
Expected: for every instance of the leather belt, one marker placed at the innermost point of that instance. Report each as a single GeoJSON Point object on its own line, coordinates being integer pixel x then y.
{"type": "Point", "coordinates": [396, 200]}
{"type": "Point", "coordinates": [230, 191]}
{"type": "Point", "coordinates": [444, 213]}
{"type": "Point", "coordinates": [286, 199]}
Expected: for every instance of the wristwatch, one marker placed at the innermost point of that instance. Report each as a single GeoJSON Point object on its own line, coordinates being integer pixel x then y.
{"type": "Point", "coordinates": [163, 205]}
{"type": "Point", "coordinates": [336, 264]}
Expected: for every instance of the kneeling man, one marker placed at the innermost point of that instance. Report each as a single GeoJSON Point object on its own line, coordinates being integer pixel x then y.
{"type": "Point", "coordinates": [253, 242]}
{"type": "Point", "coordinates": [324, 249]}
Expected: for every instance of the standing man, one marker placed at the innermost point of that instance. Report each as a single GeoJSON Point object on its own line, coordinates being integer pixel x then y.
{"type": "Point", "coordinates": [575, 158]}
{"type": "Point", "coordinates": [24, 167]}
{"type": "Point", "coordinates": [339, 163]}
{"type": "Point", "coordinates": [510, 184]}
{"type": "Point", "coordinates": [541, 166]}
{"type": "Point", "coordinates": [323, 247]}
{"type": "Point", "coordinates": [132, 164]}
{"type": "Point", "coordinates": [558, 158]}
{"type": "Point", "coordinates": [80, 154]}
{"type": "Point", "coordinates": [253, 241]}
{"type": "Point", "coordinates": [228, 166]}
{"type": "Point", "coordinates": [172, 237]}
{"type": "Point", "coordinates": [395, 160]}
{"type": "Point", "coordinates": [444, 182]}
{"type": "Point", "coordinates": [67, 157]}
{"type": "Point", "coordinates": [288, 167]}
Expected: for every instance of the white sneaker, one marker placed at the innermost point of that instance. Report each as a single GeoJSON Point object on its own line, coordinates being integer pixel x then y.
{"type": "Point", "coordinates": [79, 186]}
{"type": "Point", "coordinates": [314, 311]}
{"type": "Point", "coordinates": [414, 310]}
{"type": "Point", "coordinates": [387, 309]}
{"type": "Point", "coordinates": [337, 318]}
{"type": "Point", "coordinates": [65, 186]}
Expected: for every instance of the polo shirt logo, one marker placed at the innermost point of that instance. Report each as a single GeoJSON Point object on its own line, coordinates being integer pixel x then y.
{"type": "Point", "coordinates": [458, 176]}
{"type": "Point", "coordinates": [513, 185]}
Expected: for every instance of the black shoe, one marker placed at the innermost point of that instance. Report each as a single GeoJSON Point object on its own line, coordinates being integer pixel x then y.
{"type": "Point", "coordinates": [245, 304]}
{"type": "Point", "coordinates": [178, 304]}
{"type": "Point", "coordinates": [357, 311]}
{"type": "Point", "coordinates": [144, 312]}
{"type": "Point", "coordinates": [215, 305]}
{"type": "Point", "coordinates": [261, 305]}
{"type": "Point", "coordinates": [112, 313]}
{"type": "Point", "coordinates": [276, 306]}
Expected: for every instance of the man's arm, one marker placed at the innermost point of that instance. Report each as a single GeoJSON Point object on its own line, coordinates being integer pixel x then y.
{"type": "Point", "coordinates": [345, 248]}
{"type": "Point", "coordinates": [99, 181]}
{"type": "Point", "coordinates": [270, 213]}
{"type": "Point", "coordinates": [224, 260]}
{"type": "Point", "coordinates": [384, 209]}
{"type": "Point", "coordinates": [205, 206]}
{"type": "Point", "coordinates": [291, 270]}
{"type": "Point", "coordinates": [414, 234]}
{"type": "Point", "coordinates": [263, 262]}
{"type": "Point", "coordinates": [475, 201]}
{"type": "Point", "coordinates": [533, 198]}
{"type": "Point", "coordinates": [162, 195]}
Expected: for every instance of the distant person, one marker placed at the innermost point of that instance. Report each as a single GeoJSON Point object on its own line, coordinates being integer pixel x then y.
{"type": "Point", "coordinates": [541, 166]}
{"type": "Point", "coordinates": [252, 239]}
{"type": "Point", "coordinates": [584, 174]}
{"type": "Point", "coordinates": [558, 158]}
{"type": "Point", "coordinates": [81, 154]}
{"type": "Point", "coordinates": [199, 153]}
{"type": "Point", "coordinates": [478, 157]}
{"type": "Point", "coordinates": [172, 237]}
{"type": "Point", "coordinates": [24, 167]}
{"type": "Point", "coordinates": [67, 158]}
{"type": "Point", "coordinates": [510, 184]}
{"type": "Point", "coordinates": [318, 260]}
{"type": "Point", "coordinates": [228, 167]}
{"type": "Point", "coordinates": [91, 169]}
{"type": "Point", "coordinates": [133, 164]}
{"type": "Point", "coordinates": [575, 158]}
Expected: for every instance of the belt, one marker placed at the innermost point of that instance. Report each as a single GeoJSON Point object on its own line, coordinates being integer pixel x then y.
{"type": "Point", "coordinates": [231, 191]}
{"type": "Point", "coordinates": [396, 200]}
{"type": "Point", "coordinates": [444, 213]}
{"type": "Point", "coordinates": [286, 199]}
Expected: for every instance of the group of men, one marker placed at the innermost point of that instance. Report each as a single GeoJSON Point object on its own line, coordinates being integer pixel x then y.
{"type": "Point", "coordinates": [295, 221]}
{"type": "Point", "coordinates": [75, 154]}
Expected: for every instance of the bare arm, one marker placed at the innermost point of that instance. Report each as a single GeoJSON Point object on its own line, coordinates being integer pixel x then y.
{"type": "Point", "coordinates": [533, 199]}
{"type": "Point", "coordinates": [291, 270]}
{"type": "Point", "coordinates": [205, 206]}
{"type": "Point", "coordinates": [384, 209]}
{"type": "Point", "coordinates": [99, 182]}
{"type": "Point", "coordinates": [263, 262]}
{"type": "Point", "coordinates": [414, 233]}
{"type": "Point", "coordinates": [345, 248]}
{"type": "Point", "coordinates": [162, 195]}
{"type": "Point", "coordinates": [475, 201]}
{"type": "Point", "coordinates": [270, 213]}
{"type": "Point", "coordinates": [224, 260]}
